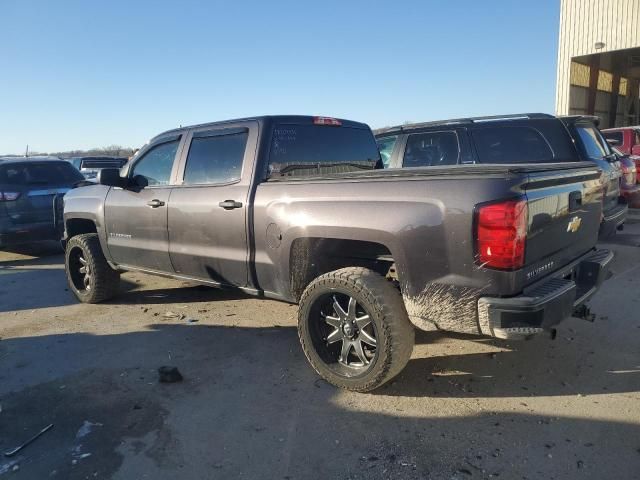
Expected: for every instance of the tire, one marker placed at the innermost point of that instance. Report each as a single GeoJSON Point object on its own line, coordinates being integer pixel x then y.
{"type": "Point", "coordinates": [98, 281]}
{"type": "Point", "coordinates": [377, 302]}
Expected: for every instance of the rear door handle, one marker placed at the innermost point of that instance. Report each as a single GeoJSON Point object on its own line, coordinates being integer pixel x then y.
{"type": "Point", "coordinates": [155, 203]}
{"type": "Point", "coordinates": [230, 204]}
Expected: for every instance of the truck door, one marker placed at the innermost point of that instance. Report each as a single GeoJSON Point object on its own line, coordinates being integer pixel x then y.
{"type": "Point", "coordinates": [208, 208]}
{"type": "Point", "coordinates": [136, 216]}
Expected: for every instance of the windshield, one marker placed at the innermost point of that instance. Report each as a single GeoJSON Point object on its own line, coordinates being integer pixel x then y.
{"type": "Point", "coordinates": [300, 150]}
{"type": "Point", "coordinates": [53, 173]}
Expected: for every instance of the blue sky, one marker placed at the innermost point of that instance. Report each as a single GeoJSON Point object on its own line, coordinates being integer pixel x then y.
{"type": "Point", "coordinates": [81, 74]}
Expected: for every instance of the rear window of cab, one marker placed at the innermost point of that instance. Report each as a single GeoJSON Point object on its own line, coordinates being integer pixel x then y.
{"type": "Point", "coordinates": [49, 173]}
{"type": "Point", "coordinates": [306, 150]}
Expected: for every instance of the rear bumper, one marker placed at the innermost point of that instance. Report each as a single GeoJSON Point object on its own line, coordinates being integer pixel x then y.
{"type": "Point", "coordinates": [28, 233]}
{"type": "Point", "coordinates": [547, 303]}
{"type": "Point", "coordinates": [613, 220]}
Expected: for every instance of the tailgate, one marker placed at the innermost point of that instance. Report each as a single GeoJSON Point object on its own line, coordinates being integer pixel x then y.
{"type": "Point", "coordinates": [565, 210]}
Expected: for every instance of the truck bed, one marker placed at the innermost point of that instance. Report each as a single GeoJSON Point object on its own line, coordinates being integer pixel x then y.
{"type": "Point", "coordinates": [423, 220]}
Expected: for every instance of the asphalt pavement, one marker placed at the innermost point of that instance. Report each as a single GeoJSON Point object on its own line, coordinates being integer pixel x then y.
{"type": "Point", "coordinates": [250, 407]}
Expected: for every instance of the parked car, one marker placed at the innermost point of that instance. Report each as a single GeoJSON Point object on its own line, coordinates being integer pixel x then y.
{"type": "Point", "coordinates": [28, 187]}
{"type": "Point", "coordinates": [627, 140]}
{"type": "Point", "coordinates": [629, 186]}
{"type": "Point", "coordinates": [294, 208]}
{"type": "Point", "coordinates": [90, 166]}
{"type": "Point", "coordinates": [505, 140]}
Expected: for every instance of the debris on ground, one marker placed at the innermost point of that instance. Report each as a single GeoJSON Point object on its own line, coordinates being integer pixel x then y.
{"type": "Point", "coordinates": [170, 314]}
{"type": "Point", "coordinates": [11, 453]}
{"type": "Point", "coordinates": [11, 466]}
{"type": "Point", "coordinates": [84, 430]}
{"type": "Point", "coordinates": [169, 374]}
{"type": "Point", "coordinates": [192, 320]}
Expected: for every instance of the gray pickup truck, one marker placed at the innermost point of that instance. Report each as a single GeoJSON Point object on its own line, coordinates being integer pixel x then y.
{"type": "Point", "coordinates": [299, 209]}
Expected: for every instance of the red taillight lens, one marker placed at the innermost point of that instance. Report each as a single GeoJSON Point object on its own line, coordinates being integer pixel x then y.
{"type": "Point", "coordinates": [327, 121]}
{"type": "Point", "coordinates": [9, 196]}
{"type": "Point", "coordinates": [629, 172]}
{"type": "Point", "coordinates": [501, 234]}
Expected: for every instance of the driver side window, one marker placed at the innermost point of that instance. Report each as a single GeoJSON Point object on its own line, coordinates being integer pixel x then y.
{"type": "Point", "coordinates": [156, 164]}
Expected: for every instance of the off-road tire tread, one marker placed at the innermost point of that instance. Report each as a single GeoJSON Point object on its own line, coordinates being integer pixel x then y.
{"type": "Point", "coordinates": [106, 280]}
{"type": "Point", "coordinates": [387, 303]}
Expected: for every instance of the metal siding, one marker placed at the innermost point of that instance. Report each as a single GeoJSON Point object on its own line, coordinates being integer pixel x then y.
{"type": "Point", "coordinates": [585, 22]}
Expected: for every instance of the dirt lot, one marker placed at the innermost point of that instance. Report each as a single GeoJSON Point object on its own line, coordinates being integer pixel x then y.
{"type": "Point", "coordinates": [251, 407]}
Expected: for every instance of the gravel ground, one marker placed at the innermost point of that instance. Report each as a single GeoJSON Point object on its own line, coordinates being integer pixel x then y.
{"type": "Point", "coordinates": [251, 407]}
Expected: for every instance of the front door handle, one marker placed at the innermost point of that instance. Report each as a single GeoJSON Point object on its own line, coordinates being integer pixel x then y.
{"type": "Point", "coordinates": [155, 203]}
{"type": "Point", "coordinates": [230, 204]}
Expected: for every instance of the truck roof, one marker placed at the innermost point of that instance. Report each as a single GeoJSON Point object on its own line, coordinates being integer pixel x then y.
{"type": "Point", "coordinates": [262, 119]}
{"type": "Point", "coordinates": [618, 129]}
{"type": "Point", "coordinates": [10, 160]}
{"type": "Point", "coordinates": [568, 119]}
{"type": "Point", "coordinates": [461, 121]}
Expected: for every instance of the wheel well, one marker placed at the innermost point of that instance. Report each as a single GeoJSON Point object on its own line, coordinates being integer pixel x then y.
{"type": "Point", "coordinates": [312, 257]}
{"type": "Point", "coordinates": [78, 226]}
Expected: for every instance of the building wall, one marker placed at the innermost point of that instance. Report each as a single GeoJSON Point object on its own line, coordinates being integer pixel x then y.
{"type": "Point", "coordinates": [583, 23]}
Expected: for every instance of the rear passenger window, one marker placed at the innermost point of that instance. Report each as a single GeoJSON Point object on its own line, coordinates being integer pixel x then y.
{"type": "Point", "coordinates": [431, 149]}
{"type": "Point", "coordinates": [504, 145]}
{"type": "Point", "coordinates": [215, 159]}
{"type": "Point", "coordinates": [591, 143]}
{"type": "Point", "coordinates": [385, 146]}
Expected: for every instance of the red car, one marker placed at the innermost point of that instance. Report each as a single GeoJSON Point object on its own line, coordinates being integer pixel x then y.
{"type": "Point", "coordinates": [627, 140]}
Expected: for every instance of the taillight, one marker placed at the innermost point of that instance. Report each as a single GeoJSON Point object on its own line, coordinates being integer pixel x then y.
{"type": "Point", "coordinates": [9, 196]}
{"type": "Point", "coordinates": [629, 172]}
{"type": "Point", "coordinates": [637, 161]}
{"type": "Point", "coordinates": [326, 121]}
{"type": "Point", "coordinates": [501, 234]}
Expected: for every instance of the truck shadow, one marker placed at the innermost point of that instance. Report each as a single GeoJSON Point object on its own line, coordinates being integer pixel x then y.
{"type": "Point", "coordinates": [567, 366]}
{"type": "Point", "coordinates": [29, 282]}
{"type": "Point", "coordinates": [181, 293]}
{"type": "Point", "coordinates": [250, 404]}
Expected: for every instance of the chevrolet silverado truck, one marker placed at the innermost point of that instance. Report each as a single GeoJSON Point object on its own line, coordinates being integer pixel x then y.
{"type": "Point", "coordinates": [299, 209]}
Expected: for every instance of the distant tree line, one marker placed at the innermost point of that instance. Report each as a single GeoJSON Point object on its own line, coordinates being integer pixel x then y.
{"type": "Point", "coordinates": [109, 151]}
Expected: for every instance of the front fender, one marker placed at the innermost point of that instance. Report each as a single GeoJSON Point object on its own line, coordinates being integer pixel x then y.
{"type": "Point", "coordinates": [87, 203]}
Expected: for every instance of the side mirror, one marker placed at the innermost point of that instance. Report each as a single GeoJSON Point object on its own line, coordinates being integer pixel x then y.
{"type": "Point", "coordinates": [110, 177]}
{"type": "Point", "coordinates": [614, 142]}
{"type": "Point", "coordinates": [140, 181]}
{"type": "Point", "coordinates": [635, 150]}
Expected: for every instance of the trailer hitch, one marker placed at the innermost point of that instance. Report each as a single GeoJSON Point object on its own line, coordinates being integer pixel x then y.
{"type": "Point", "coordinates": [584, 313]}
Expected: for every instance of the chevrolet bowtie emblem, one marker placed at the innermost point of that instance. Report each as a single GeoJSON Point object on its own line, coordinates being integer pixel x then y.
{"type": "Point", "coordinates": [574, 224]}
